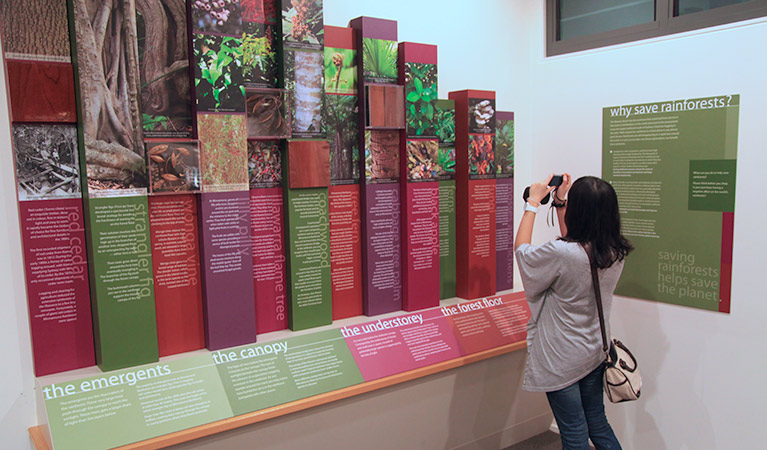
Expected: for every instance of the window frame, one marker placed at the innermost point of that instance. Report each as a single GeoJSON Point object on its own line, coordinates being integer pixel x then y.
{"type": "Point", "coordinates": [665, 24]}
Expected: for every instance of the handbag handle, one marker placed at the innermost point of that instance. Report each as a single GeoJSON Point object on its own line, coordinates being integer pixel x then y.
{"type": "Point", "coordinates": [598, 295]}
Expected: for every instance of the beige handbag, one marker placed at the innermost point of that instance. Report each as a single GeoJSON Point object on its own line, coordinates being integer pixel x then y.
{"type": "Point", "coordinates": [622, 381]}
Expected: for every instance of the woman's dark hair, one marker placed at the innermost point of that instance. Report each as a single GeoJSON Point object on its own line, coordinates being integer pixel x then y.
{"type": "Point", "coordinates": [593, 220]}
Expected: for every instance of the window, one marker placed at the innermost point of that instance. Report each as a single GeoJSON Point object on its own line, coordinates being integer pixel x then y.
{"type": "Point", "coordinates": [574, 25]}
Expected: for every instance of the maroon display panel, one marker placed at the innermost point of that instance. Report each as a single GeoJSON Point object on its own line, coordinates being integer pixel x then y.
{"type": "Point", "coordinates": [56, 269]}
{"type": "Point", "coordinates": [176, 269]}
{"type": "Point", "coordinates": [267, 228]}
{"type": "Point", "coordinates": [345, 250]}
{"type": "Point", "coordinates": [475, 206]}
{"type": "Point", "coordinates": [420, 170]}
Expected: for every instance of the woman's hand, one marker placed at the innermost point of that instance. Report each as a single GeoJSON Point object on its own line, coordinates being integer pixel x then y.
{"type": "Point", "coordinates": [560, 193]}
{"type": "Point", "coordinates": [539, 190]}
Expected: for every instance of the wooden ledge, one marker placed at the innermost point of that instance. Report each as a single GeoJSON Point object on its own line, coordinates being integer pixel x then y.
{"type": "Point", "coordinates": [39, 439]}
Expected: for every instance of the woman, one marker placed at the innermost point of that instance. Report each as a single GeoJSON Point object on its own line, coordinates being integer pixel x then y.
{"type": "Point", "coordinates": [565, 357]}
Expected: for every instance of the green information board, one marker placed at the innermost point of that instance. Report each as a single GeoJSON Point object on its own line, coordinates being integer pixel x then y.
{"type": "Point", "coordinates": [673, 166]}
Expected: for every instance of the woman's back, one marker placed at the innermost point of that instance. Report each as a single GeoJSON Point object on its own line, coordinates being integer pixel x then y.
{"type": "Point", "coordinates": [564, 339]}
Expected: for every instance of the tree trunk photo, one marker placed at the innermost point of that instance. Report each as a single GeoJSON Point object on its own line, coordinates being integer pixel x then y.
{"type": "Point", "coordinates": [107, 64]}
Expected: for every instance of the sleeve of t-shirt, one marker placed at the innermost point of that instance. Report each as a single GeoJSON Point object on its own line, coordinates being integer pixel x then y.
{"type": "Point", "coordinates": [539, 266]}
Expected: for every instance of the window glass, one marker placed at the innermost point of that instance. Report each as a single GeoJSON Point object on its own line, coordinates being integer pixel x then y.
{"type": "Point", "coordinates": [585, 17]}
{"type": "Point", "coordinates": [683, 7]}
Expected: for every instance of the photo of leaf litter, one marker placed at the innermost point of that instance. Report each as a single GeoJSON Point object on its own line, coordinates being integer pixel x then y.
{"type": "Point", "coordinates": [46, 161]}
{"type": "Point", "coordinates": [420, 95]}
{"type": "Point", "coordinates": [173, 167]}
{"type": "Point", "coordinates": [379, 60]}
{"type": "Point", "coordinates": [302, 24]}
{"type": "Point", "coordinates": [504, 147]}
{"type": "Point", "coordinates": [259, 55]}
{"type": "Point", "coordinates": [218, 73]}
{"type": "Point", "coordinates": [423, 161]}
{"type": "Point", "coordinates": [267, 111]}
{"type": "Point", "coordinates": [340, 71]}
{"type": "Point", "coordinates": [223, 152]}
{"type": "Point", "coordinates": [264, 164]}
{"type": "Point", "coordinates": [481, 155]}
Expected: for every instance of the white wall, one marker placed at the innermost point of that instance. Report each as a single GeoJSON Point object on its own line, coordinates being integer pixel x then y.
{"type": "Point", "coordinates": [701, 369]}
{"type": "Point", "coordinates": [16, 378]}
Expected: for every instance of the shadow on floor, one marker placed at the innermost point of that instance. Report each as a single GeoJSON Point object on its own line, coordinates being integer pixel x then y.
{"type": "Point", "coordinates": [544, 441]}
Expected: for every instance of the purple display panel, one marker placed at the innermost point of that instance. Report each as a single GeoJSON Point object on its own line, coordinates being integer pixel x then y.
{"type": "Point", "coordinates": [504, 234]}
{"type": "Point", "coordinates": [379, 175]}
{"type": "Point", "coordinates": [381, 263]}
{"type": "Point", "coordinates": [226, 256]}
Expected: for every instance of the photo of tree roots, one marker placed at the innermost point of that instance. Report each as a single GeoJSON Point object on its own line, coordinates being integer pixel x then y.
{"type": "Point", "coordinates": [382, 155]}
{"type": "Point", "coordinates": [46, 161]}
{"type": "Point", "coordinates": [166, 105]}
{"type": "Point", "coordinates": [107, 56]}
{"type": "Point", "coordinates": [341, 114]}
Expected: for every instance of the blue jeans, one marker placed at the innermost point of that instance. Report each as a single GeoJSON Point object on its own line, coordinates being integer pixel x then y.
{"type": "Point", "coordinates": [579, 410]}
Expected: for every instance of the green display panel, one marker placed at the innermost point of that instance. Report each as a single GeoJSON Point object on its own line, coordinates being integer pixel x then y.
{"type": "Point", "coordinates": [135, 404]}
{"type": "Point", "coordinates": [259, 376]}
{"type": "Point", "coordinates": [122, 288]}
{"type": "Point", "coordinates": [308, 239]}
{"type": "Point", "coordinates": [673, 167]}
{"type": "Point", "coordinates": [447, 239]}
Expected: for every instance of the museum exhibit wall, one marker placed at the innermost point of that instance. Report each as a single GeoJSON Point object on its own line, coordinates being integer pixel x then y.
{"type": "Point", "coordinates": [699, 366]}
{"type": "Point", "coordinates": [507, 418]}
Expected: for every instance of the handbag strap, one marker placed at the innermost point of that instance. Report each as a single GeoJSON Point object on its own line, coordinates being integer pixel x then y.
{"type": "Point", "coordinates": [598, 295]}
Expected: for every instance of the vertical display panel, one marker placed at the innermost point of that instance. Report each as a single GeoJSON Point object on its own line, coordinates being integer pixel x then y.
{"type": "Point", "coordinates": [445, 128]}
{"type": "Point", "coordinates": [380, 215]}
{"type": "Point", "coordinates": [420, 168]}
{"type": "Point", "coordinates": [475, 193]}
{"type": "Point", "coordinates": [341, 116]}
{"type": "Point", "coordinates": [504, 200]}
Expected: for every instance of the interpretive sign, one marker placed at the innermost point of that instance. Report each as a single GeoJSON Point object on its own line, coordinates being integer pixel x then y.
{"type": "Point", "coordinates": [673, 167]}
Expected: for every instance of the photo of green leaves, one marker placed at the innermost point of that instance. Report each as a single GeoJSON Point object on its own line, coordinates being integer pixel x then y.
{"type": "Point", "coordinates": [218, 74]}
{"type": "Point", "coordinates": [420, 96]}
{"type": "Point", "coordinates": [504, 147]}
{"type": "Point", "coordinates": [259, 55]}
{"type": "Point", "coordinates": [379, 60]}
{"type": "Point", "coordinates": [302, 25]}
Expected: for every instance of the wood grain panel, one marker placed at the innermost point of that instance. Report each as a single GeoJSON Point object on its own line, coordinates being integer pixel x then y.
{"type": "Point", "coordinates": [41, 92]}
{"type": "Point", "coordinates": [308, 164]}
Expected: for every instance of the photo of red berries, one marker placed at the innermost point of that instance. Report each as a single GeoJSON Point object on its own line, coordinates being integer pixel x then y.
{"type": "Point", "coordinates": [481, 155]}
{"type": "Point", "coordinates": [302, 24]}
{"type": "Point", "coordinates": [264, 164]}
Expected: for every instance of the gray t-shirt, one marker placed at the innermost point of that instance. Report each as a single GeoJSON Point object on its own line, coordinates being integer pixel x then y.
{"type": "Point", "coordinates": [564, 341]}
